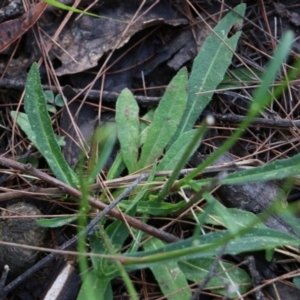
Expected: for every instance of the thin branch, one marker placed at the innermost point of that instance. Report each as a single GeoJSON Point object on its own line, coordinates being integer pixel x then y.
{"type": "Point", "coordinates": [87, 231]}
{"type": "Point", "coordinates": [272, 122]}
{"type": "Point", "coordinates": [9, 163]}
{"type": "Point", "coordinates": [18, 84]}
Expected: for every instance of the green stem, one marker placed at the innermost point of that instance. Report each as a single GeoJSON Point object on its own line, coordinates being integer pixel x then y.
{"type": "Point", "coordinates": [183, 160]}
{"type": "Point", "coordinates": [130, 288]}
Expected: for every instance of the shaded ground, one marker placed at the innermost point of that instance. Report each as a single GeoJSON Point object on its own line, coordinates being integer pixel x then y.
{"type": "Point", "coordinates": [94, 59]}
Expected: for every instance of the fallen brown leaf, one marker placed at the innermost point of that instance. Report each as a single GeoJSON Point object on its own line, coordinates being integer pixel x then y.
{"type": "Point", "coordinates": [11, 30]}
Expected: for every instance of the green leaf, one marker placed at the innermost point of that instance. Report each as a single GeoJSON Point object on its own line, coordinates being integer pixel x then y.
{"type": "Point", "coordinates": [55, 222]}
{"type": "Point", "coordinates": [175, 152]}
{"type": "Point", "coordinates": [256, 239]}
{"type": "Point", "coordinates": [79, 11]}
{"type": "Point", "coordinates": [29, 160]}
{"type": "Point", "coordinates": [170, 278]}
{"type": "Point", "coordinates": [239, 77]}
{"type": "Point", "coordinates": [69, 8]}
{"type": "Point", "coordinates": [153, 208]}
{"type": "Point", "coordinates": [144, 126]}
{"type": "Point", "coordinates": [143, 136]}
{"type": "Point", "coordinates": [262, 97]}
{"type": "Point", "coordinates": [196, 270]}
{"type": "Point", "coordinates": [276, 170]}
{"type": "Point", "coordinates": [23, 122]}
{"type": "Point", "coordinates": [95, 287]}
{"type": "Point", "coordinates": [117, 233]}
{"type": "Point", "coordinates": [59, 101]}
{"type": "Point", "coordinates": [296, 281]}
{"type": "Point", "coordinates": [222, 211]}
{"type": "Point", "coordinates": [127, 118]}
{"type": "Point", "coordinates": [269, 254]}
{"type": "Point", "coordinates": [140, 193]}
{"type": "Point", "coordinates": [40, 122]}
{"type": "Point", "coordinates": [209, 67]}
{"type": "Point", "coordinates": [188, 151]}
{"type": "Point", "coordinates": [104, 139]}
{"type": "Point", "coordinates": [147, 119]}
{"type": "Point", "coordinates": [240, 219]}
{"type": "Point", "coordinates": [166, 119]}
{"type": "Point", "coordinates": [287, 214]}
{"type": "Point", "coordinates": [117, 168]}
{"type": "Point", "coordinates": [51, 108]}
{"type": "Point", "coordinates": [49, 96]}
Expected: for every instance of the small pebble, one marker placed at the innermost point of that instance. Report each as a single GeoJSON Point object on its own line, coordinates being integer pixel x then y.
{"type": "Point", "coordinates": [19, 230]}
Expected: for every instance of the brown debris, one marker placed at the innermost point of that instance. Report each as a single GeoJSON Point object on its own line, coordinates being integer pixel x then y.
{"type": "Point", "coordinates": [10, 31]}
{"type": "Point", "coordinates": [21, 230]}
{"type": "Point", "coordinates": [286, 13]}
{"type": "Point", "coordinates": [87, 39]}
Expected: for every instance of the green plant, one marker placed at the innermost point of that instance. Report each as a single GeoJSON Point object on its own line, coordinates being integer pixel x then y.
{"type": "Point", "coordinates": [53, 101]}
{"type": "Point", "coordinates": [172, 136]}
{"type": "Point", "coordinates": [62, 6]}
{"type": "Point", "coordinates": [59, 5]}
{"type": "Point", "coordinates": [23, 121]}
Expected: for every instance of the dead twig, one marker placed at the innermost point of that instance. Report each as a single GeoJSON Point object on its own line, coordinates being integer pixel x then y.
{"type": "Point", "coordinates": [272, 122]}
{"type": "Point", "coordinates": [87, 231]}
{"type": "Point", "coordinates": [9, 163]}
